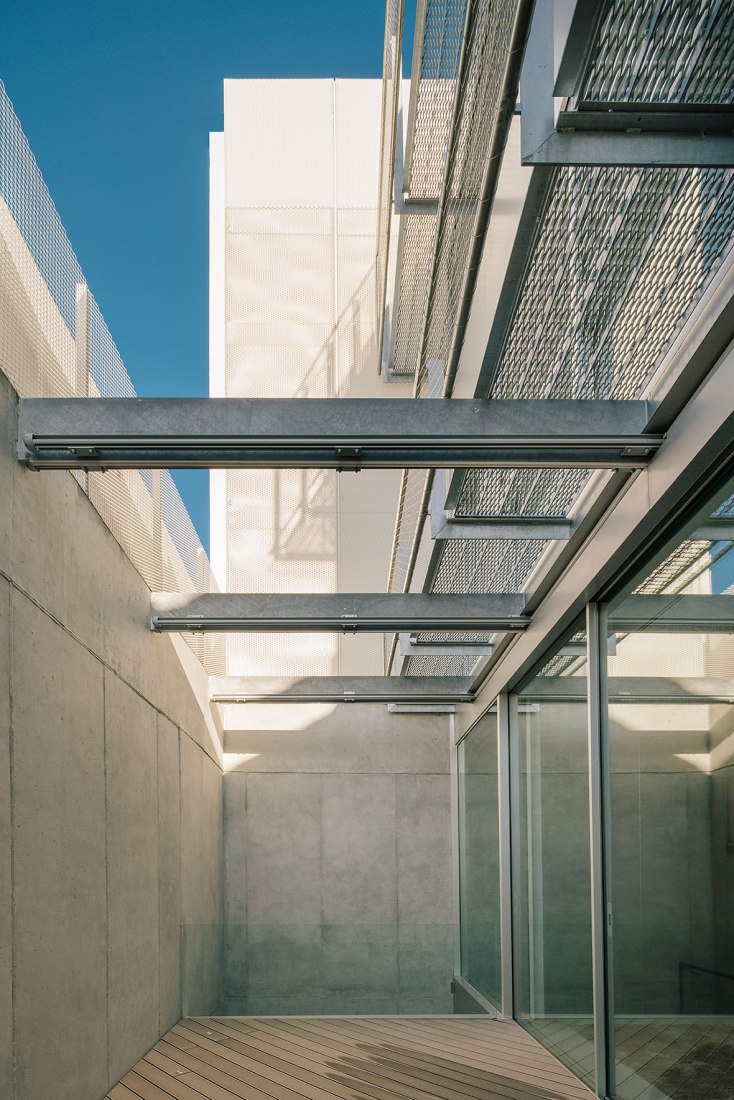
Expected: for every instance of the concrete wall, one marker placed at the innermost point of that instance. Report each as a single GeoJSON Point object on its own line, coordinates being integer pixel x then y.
{"type": "Point", "coordinates": [338, 865]}
{"type": "Point", "coordinates": [110, 801]}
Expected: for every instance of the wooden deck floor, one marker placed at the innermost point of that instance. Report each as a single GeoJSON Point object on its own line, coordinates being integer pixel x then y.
{"type": "Point", "coordinates": [353, 1058]}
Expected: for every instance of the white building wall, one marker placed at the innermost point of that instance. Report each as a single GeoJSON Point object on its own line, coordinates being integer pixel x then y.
{"type": "Point", "coordinates": [293, 289]}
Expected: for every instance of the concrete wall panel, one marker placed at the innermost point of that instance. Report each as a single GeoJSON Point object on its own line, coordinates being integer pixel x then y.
{"type": "Point", "coordinates": [423, 824]}
{"type": "Point", "coordinates": [361, 738]}
{"type": "Point", "coordinates": [284, 849]}
{"type": "Point", "coordinates": [169, 873]}
{"type": "Point", "coordinates": [94, 874]}
{"type": "Point", "coordinates": [132, 874]}
{"type": "Point", "coordinates": [6, 918]}
{"type": "Point", "coordinates": [359, 864]}
{"type": "Point", "coordinates": [58, 778]}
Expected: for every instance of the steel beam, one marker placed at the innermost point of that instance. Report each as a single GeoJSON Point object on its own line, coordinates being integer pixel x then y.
{"type": "Point", "coordinates": [674, 615]}
{"type": "Point", "coordinates": [635, 689]}
{"type": "Point", "coordinates": [340, 689]}
{"type": "Point", "coordinates": [333, 611]}
{"type": "Point", "coordinates": [342, 434]}
{"type": "Point", "coordinates": [637, 148]}
{"type": "Point", "coordinates": [716, 529]}
{"type": "Point", "coordinates": [411, 648]}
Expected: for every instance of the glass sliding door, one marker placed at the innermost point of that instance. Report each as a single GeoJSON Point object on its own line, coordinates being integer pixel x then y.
{"type": "Point", "coordinates": [671, 759]}
{"type": "Point", "coordinates": [550, 860]}
{"type": "Point", "coordinates": [479, 875]}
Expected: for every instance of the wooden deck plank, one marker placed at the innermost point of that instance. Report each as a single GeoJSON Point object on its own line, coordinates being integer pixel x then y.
{"type": "Point", "coordinates": [209, 1063]}
{"type": "Point", "coordinates": [541, 1067]}
{"type": "Point", "coordinates": [348, 1058]}
{"type": "Point", "coordinates": [299, 1082]}
{"type": "Point", "coordinates": [502, 1068]}
{"type": "Point", "coordinates": [390, 1077]}
{"type": "Point", "coordinates": [380, 1028]}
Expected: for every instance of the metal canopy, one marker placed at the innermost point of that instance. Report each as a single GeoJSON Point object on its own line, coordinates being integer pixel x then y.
{"type": "Point", "coordinates": [340, 689]}
{"type": "Point", "coordinates": [674, 614]}
{"type": "Point", "coordinates": [342, 434]}
{"type": "Point", "coordinates": [334, 611]}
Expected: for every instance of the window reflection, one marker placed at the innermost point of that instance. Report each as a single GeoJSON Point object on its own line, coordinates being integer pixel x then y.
{"type": "Point", "coordinates": [479, 874]}
{"type": "Point", "coordinates": [671, 750]}
{"type": "Point", "coordinates": [551, 875]}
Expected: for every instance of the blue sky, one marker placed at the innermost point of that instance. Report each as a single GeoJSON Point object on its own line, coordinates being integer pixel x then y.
{"type": "Point", "coordinates": [117, 98]}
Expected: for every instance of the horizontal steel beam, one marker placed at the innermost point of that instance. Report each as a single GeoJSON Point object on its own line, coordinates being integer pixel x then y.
{"type": "Point", "coordinates": [334, 611]}
{"type": "Point", "coordinates": [716, 529]}
{"type": "Point", "coordinates": [634, 149]}
{"type": "Point", "coordinates": [634, 689]}
{"type": "Point", "coordinates": [410, 647]}
{"type": "Point", "coordinates": [342, 434]}
{"type": "Point", "coordinates": [340, 689]}
{"type": "Point", "coordinates": [674, 615]}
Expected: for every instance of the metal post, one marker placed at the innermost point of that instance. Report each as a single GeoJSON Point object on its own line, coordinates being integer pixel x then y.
{"type": "Point", "coordinates": [456, 843]}
{"type": "Point", "coordinates": [506, 716]}
{"type": "Point", "coordinates": [81, 334]}
{"type": "Point", "coordinates": [601, 913]}
{"type": "Point", "coordinates": [156, 495]}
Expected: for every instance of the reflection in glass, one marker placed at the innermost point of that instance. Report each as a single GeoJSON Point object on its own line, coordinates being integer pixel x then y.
{"type": "Point", "coordinates": [671, 750]}
{"type": "Point", "coordinates": [550, 859]}
{"type": "Point", "coordinates": [479, 859]}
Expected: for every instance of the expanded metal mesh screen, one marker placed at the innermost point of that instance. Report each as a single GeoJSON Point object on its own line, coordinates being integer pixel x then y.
{"type": "Point", "coordinates": [488, 34]}
{"type": "Point", "coordinates": [416, 249]}
{"type": "Point", "coordinates": [443, 34]}
{"type": "Point", "coordinates": [620, 259]}
{"type": "Point", "coordinates": [54, 343]}
{"type": "Point", "coordinates": [680, 52]}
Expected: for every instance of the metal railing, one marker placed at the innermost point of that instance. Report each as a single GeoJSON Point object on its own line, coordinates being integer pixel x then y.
{"type": "Point", "coordinates": [54, 343]}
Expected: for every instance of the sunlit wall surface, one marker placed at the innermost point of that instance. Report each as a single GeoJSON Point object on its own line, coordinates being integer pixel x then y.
{"type": "Point", "coordinates": [479, 859]}
{"type": "Point", "coordinates": [550, 856]}
{"type": "Point", "coordinates": [671, 751]}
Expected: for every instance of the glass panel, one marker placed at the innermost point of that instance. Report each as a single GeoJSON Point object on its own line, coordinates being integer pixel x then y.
{"type": "Point", "coordinates": [479, 874]}
{"type": "Point", "coordinates": [671, 750]}
{"type": "Point", "coordinates": [551, 872]}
